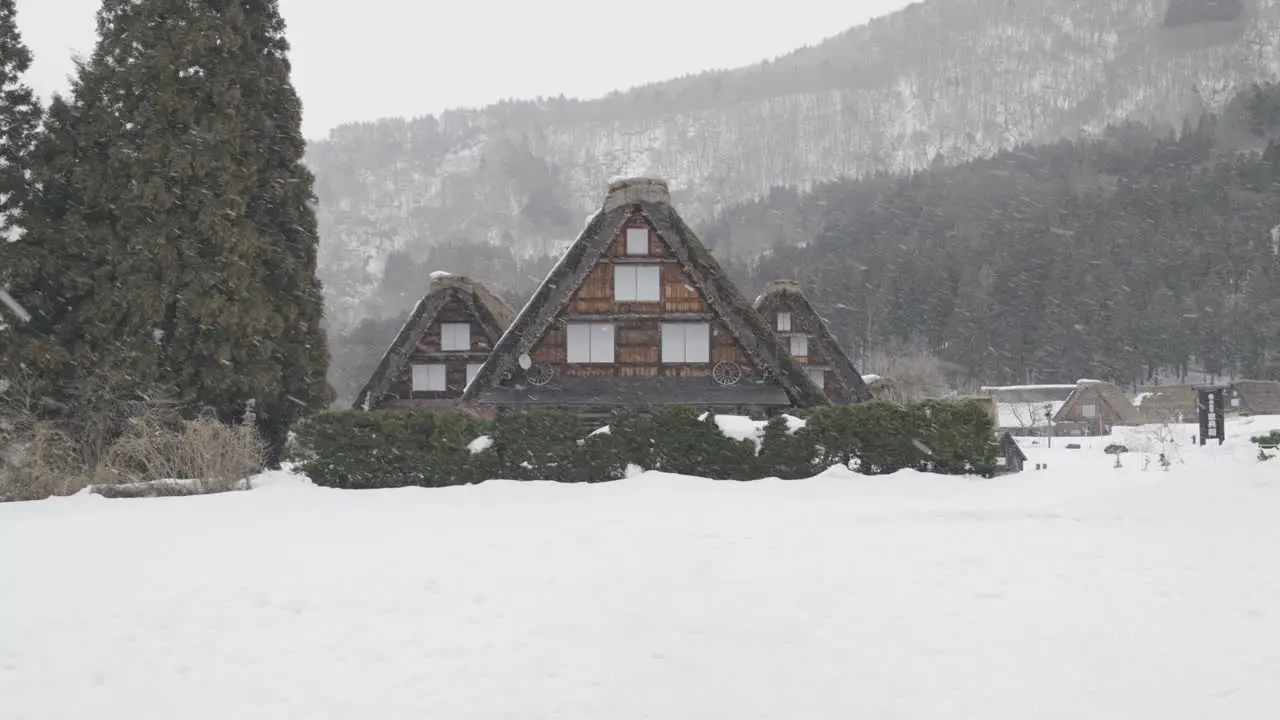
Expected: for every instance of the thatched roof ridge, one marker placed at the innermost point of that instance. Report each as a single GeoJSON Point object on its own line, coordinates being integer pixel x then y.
{"type": "Point", "coordinates": [625, 199]}
{"type": "Point", "coordinates": [777, 293]}
{"type": "Point", "coordinates": [493, 314]}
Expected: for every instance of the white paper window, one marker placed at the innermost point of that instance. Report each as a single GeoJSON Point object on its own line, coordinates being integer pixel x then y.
{"type": "Point", "coordinates": [800, 345]}
{"type": "Point", "coordinates": [784, 322]}
{"type": "Point", "coordinates": [1089, 411]}
{"type": "Point", "coordinates": [455, 336]}
{"type": "Point", "coordinates": [819, 378]}
{"type": "Point", "coordinates": [429, 378]}
{"type": "Point", "coordinates": [473, 369]}
{"type": "Point", "coordinates": [590, 342]}
{"type": "Point", "coordinates": [686, 343]}
{"type": "Point", "coordinates": [636, 284]}
{"type": "Point", "coordinates": [637, 241]}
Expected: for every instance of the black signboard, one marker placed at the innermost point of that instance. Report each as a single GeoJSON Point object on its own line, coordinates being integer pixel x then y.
{"type": "Point", "coordinates": [1212, 406]}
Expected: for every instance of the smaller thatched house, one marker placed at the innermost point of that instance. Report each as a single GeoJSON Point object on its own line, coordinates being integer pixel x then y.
{"type": "Point", "coordinates": [806, 336]}
{"type": "Point", "coordinates": [1093, 408]}
{"type": "Point", "coordinates": [1255, 397]}
{"type": "Point", "coordinates": [440, 348]}
{"type": "Point", "coordinates": [1168, 404]}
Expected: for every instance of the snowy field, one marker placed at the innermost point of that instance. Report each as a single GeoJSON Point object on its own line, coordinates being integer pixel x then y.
{"type": "Point", "coordinates": [1073, 592]}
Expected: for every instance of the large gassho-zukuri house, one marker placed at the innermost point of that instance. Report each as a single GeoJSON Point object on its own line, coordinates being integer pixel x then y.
{"type": "Point", "coordinates": [804, 333]}
{"type": "Point", "coordinates": [440, 348]}
{"type": "Point", "coordinates": [637, 313]}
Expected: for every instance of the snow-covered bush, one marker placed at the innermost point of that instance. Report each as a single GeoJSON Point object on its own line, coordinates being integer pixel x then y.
{"type": "Point", "coordinates": [355, 449]}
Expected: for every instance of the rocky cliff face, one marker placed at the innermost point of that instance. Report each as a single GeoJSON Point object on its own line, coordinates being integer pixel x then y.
{"type": "Point", "coordinates": [943, 80]}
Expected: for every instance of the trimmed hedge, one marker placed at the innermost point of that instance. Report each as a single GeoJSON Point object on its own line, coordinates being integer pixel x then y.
{"type": "Point", "coordinates": [397, 448]}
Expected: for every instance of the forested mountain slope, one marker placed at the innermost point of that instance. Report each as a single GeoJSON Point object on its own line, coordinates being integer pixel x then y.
{"type": "Point", "coordinates": [1135, 254]}
{"type": "Point", "coordinates": [950, 79]}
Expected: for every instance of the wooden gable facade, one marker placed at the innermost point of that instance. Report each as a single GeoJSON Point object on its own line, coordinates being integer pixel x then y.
{"type": "Point", "coordinates": [804, 334]}
{"type": "Point", "coordinates": [440, 348]}
{"type": "Point", "coordinates": [638, 314]}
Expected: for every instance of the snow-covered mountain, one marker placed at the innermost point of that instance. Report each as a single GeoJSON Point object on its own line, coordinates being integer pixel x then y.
{"type": "Point", "coordinates": [942, 79]}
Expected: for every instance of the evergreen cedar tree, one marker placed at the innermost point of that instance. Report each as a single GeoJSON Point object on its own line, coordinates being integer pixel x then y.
{"type": "Point", "coordinates": [19, 121]}
{"type": "Point", "coordinates": [175, 238]}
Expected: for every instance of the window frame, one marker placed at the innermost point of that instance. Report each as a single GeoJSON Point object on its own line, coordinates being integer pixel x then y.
{"type": "Point", "coordinates": [627, 283]}
{"type": "Point", "coordinates": [784, 327]}
{"type": "Point", "coordinates": [820, 380]}
{"type": "Point", "coordinates": [678, 334]}
{"type": "Point", "coordinates": [631, 242]}
{"type": "Point", "coordinates": [473, 369]}
{"type": "Point", "coordinates": [449, 332]}
{"type": "Point", "coordinates": [429, 372]}
{"type": "Point", "coordinates": [596, 345]}
{"type": "Point", "coordinates": [803, 340]}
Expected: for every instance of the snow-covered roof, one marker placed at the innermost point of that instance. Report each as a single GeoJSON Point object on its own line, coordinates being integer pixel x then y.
{"type": "Point", "coordinates": [1025, 414]}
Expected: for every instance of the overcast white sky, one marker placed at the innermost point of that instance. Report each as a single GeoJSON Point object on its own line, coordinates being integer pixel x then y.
{"type": "Point", "coordinates": [366, 59]}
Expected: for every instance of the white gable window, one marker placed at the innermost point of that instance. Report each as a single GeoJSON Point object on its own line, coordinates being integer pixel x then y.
{"type": "Point", "coordinates": [819, 378]}
{"type": "Point", "coordinates": [590, 342]}
{"type": "Point", "coordinates": [455, 336]}
{"type": "Point", "coordinates": [784, 322]}
{"type": "Point", "coordinates": [473, 369]}
{"type": "Point", "coordinates": [686, 343]}
{"type": "Point", "coordinates": [637, 241]}
{"type": "Point", "coordinates": [429, 378]}
{"type": "Point", "coordinates": [1089, 411]}
{"type": "Point", "coordinates": [800, 345]}
{"type": "Point", "coordinates": [635, 283]}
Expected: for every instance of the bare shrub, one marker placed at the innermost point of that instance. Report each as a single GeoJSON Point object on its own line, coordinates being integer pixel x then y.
{"type": "Point", "coordinates": [183, 456]}
{"type": "Point", "coordinates": [126, 442]}
{"type": "Point", "coordinates": [37, 458]}
{"type": "Point", "coordinates": [917, 372]}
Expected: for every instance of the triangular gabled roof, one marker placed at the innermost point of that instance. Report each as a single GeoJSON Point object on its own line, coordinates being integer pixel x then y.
{"type": "Point", "coordinates": [490, 311]}
{"type": "Point", "coordinates": [1113, 396]}
{"type": "Point", "coordinates": [787, 293]}
{"type": "Point", "coordinates": [649, 198]}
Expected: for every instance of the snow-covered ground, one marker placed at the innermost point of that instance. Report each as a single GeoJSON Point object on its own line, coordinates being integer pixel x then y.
{"type": "Point", "coordinates": [1073, 592]}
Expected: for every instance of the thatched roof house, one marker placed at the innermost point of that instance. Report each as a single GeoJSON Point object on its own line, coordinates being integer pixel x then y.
{"type": "Point", "coordinates": [1256, 397]}
{"type": "Point", "coordinates": [809, 340]}
{"type": "Point", "coordinates": [1093, 408]}
{"type": "Point", "coordinates": [638, 313]}
{"type": "Point", "coordinates": [1168, 404]}
{"type": "Point", "coordinates": [440, 348]}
